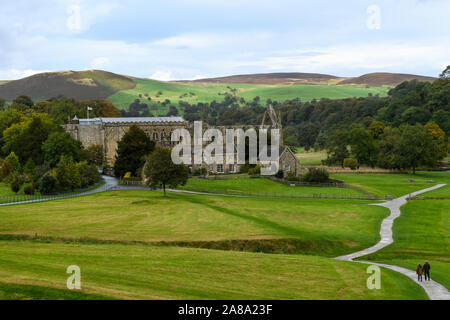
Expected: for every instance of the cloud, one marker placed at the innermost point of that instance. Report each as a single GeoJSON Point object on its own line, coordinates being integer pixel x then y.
{"type": "Point", "coordinates": [100, 63]}
{"type": "Point", "coordinates": [162, 76]}
{"type": "Point", "coordinates": [15, 74]}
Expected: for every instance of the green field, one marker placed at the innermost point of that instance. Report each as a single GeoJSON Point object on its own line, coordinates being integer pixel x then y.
{"type": "Point", "coordinates": [422, 233]}
{"type": "Point", "coordinates": [310, 158]}
{"type": "Point", "coordinates": [5, 190]}
{"type": "Point", "coordinates": [323, 227]}
{"type": "Point", "coordinates": [243, 184]}
{"type": "Point", "coordinates": [207, 92]}
{"type": "Point", "coordinates": [138, 272]}
{"type": "Point", "coordinates": [138, 244]}
{"type": "Point", "coordinates": [396, 184]}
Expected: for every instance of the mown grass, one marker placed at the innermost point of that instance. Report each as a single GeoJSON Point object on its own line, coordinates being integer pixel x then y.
{"type": "Point", "coordinates": [139, 272]}
{"type": "Point", "coordinates": [323, 227]}
{"type": "Point", "coordinates": [207, 92]}
{"type": "Point", "coordinates": [5, 190]}
{"type": "Point", "coordinates": [310, 158]}
{"type": "Point", "coordinates": [244, 184]}
{"type": "Point", "coordinates": [396, 184]}
{"type": "Point", "coordinates": [422, 233]}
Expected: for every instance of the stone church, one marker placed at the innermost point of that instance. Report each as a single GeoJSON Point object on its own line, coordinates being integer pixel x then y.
{"type": "Point", "coordinates": [107, 132]}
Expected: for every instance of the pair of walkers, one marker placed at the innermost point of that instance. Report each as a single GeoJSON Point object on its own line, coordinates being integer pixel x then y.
{"type": "Point", "coordinates": [425, 270]}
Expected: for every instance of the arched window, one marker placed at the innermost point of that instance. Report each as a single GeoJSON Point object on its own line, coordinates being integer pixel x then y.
{"type": "Point", "coordinates": [163, 135]}
{"type": "Point", "coordinates": [155, 136]}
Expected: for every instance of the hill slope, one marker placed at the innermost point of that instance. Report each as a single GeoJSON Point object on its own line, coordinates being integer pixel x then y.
{"type": "Point", "coordinates": [92, 84]}
{"type": "Point", "coordinates": [384, 79]}
{"type": "Point", "coordinates": [273, 78]}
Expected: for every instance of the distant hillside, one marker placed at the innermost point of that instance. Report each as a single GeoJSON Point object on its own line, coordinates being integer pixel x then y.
{"type": "Point", "coordinates": [384, 79]}
{"type": "Point", "coordinates": [273, 79]}
{"type": "Point", "coordinates": [83, 85]}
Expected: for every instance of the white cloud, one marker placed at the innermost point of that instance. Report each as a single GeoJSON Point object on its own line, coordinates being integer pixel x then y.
{"type": "Point", "coordinates": [100, 63]}
{"type": "Point", "coordinates": [14, 74]}
{"type": "Point", "coordinates": [162, 76]}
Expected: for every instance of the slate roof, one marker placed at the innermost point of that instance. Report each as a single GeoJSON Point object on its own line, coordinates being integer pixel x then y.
{"type": "Point", "coordinates": [131, 120]}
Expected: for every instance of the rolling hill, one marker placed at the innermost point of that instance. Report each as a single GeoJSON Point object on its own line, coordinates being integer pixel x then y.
{"type": "Point", "coordinates": [123, 90]}
{"type": "Point", "coordinates": [384, 79]}
{"type": "Point", "coordinates": [84, 85]}
{"type": "Point", "coordinates": [273, 79]}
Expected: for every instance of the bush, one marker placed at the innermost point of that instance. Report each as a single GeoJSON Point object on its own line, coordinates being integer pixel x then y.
{"type": "Point", "coordinates": [15, 183]}
{"type": "Point", "coordinates": [89, 174]}
{"type": "Point", "coordinates": [316, 175]}
{"type": "Point", "coordinates": [47, 184]}
{"type": "Point", "coordinates": [29, 189]}
{"type": "Point", "coordinates": [67, 174]}
{"type": "Point", "coordinates": [351, 163]}
{"type": "Point", "coordinates": [292, 177]}
{"type": "Point", "coordinates": [255, 171]}
{"type": "Point", "coordinates": [280, 174]}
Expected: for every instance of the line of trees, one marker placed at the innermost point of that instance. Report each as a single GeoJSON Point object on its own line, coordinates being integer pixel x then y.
{"type": "Point", "coordinates": [37, 155]}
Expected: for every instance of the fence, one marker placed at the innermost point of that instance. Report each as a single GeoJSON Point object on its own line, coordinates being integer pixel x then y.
{"type": "Point", "coordinates": [100, 187]}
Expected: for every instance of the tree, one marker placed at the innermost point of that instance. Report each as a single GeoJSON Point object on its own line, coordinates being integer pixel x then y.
{"type": "Point", "coordinates": [88, 174]}
{"type": "Point", "coordinates": [2, 104]}
{"type": "Point", "coordinates": [30, 168]}
{"type": "Point", "coordinates": [131, 151]}
{"type": "Point", "coordinates": [67, 174]}
{"type": "Point", "coordinates": [58, 144]}
{"type": "Point", "coordinates": [160, 170]}
{"type": "Point", "coordinates": [24, 100]}
{"type": "Point", "coordinates": [47, 184]}
{"type": "Point", "coordinates": [445, 74]}
{"type": "Point", "coordinates": [417, 147]}
{"type": "Point", "coordinates": [93, 155]}
{"type": "Point", "coordinates": [337, 147]}
{"type": "Point", "coordinates": [26, 138]}
{"type": "Point", "coordinates": [13, 160]}
{"type": "Point", "coordinates": [364, 147]}
{"type": "Point", "coordinates": [439, 137]}
{"type": "Point", "coordinates": [101, 108]}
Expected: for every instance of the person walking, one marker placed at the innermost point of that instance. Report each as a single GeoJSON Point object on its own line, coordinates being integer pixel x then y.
{"type": "Point", "coordinates": [426, 270]}
{"type": "Point", "coordinates": [419, 272]}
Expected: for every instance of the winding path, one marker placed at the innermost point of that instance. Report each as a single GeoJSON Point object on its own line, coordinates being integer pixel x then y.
{"type": "Point", "coordinates": [434, 290]}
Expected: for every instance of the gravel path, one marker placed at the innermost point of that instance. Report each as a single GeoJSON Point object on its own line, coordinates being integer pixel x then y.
{"type": "Point", "coordinates": [434, 290]}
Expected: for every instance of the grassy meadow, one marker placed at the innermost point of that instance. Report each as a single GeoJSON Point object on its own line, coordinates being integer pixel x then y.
{"type": "Point", "coordinates": [397, 184]}
{"type": "Point", "coordinates": [422, 233]}
{"type": "Point", "coordinates": [310, 158]}
{"type": "Point", "coordinates": [322, 227]}
{"type": "Point", "coordinates": [139, 272]}
{"type": "Point", "coordinates": [243, 184]}
{"type": "Point", "coordinates": [206, 92]}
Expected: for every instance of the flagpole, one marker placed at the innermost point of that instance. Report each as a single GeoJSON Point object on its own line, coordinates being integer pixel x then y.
{"type": "Point", "coordinates": [88, 113]}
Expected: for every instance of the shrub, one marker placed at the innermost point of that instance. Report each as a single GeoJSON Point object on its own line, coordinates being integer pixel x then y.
{"type": "Point", "coordinates": [5, 169]}
{"type": "Point", "coordinates": [47, 184]}
{"type": "Point", "coordinates": [255, 171]}
{"type": "Point", "coordinates": [15, 183]}
{"type": "Point", "coordinates": [316, 175]}
{"type": "Point", "coordinates": [280, 174]}
{"type": "Point", "coordinates": [351, 163]}
{"type": "Point", "coordinates": [14, 161]}
{"type": "Point", "coordinates": [89, 174]}
{"type": "Point", "coordinates": [292, 177]}
{"type": "Point", "coordinates": [29, 189]}
{"type": "Point", "coordinates": [67, 174]}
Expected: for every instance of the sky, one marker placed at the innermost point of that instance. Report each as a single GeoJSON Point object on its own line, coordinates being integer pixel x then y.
{"type": "Point", "coordinates": [192, 39]}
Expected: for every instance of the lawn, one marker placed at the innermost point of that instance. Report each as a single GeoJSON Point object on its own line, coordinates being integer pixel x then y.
{"type": "Point", "coordinates": [422, 233]}
{"type": "Point", "coordinates": [243, 184]}
{"type": "Point", "coordinates": [321, 227]}
{"type": "Point", "coordinates": [310, 158]}
{"type": "Point", "coordinates": [139, 272]}
{"type": "Point", "coordinates": [5, 190]}
{"type": "Point", "coordinates": [207, 92]}
{"type": "Point", "coordinates": [396, 184]}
